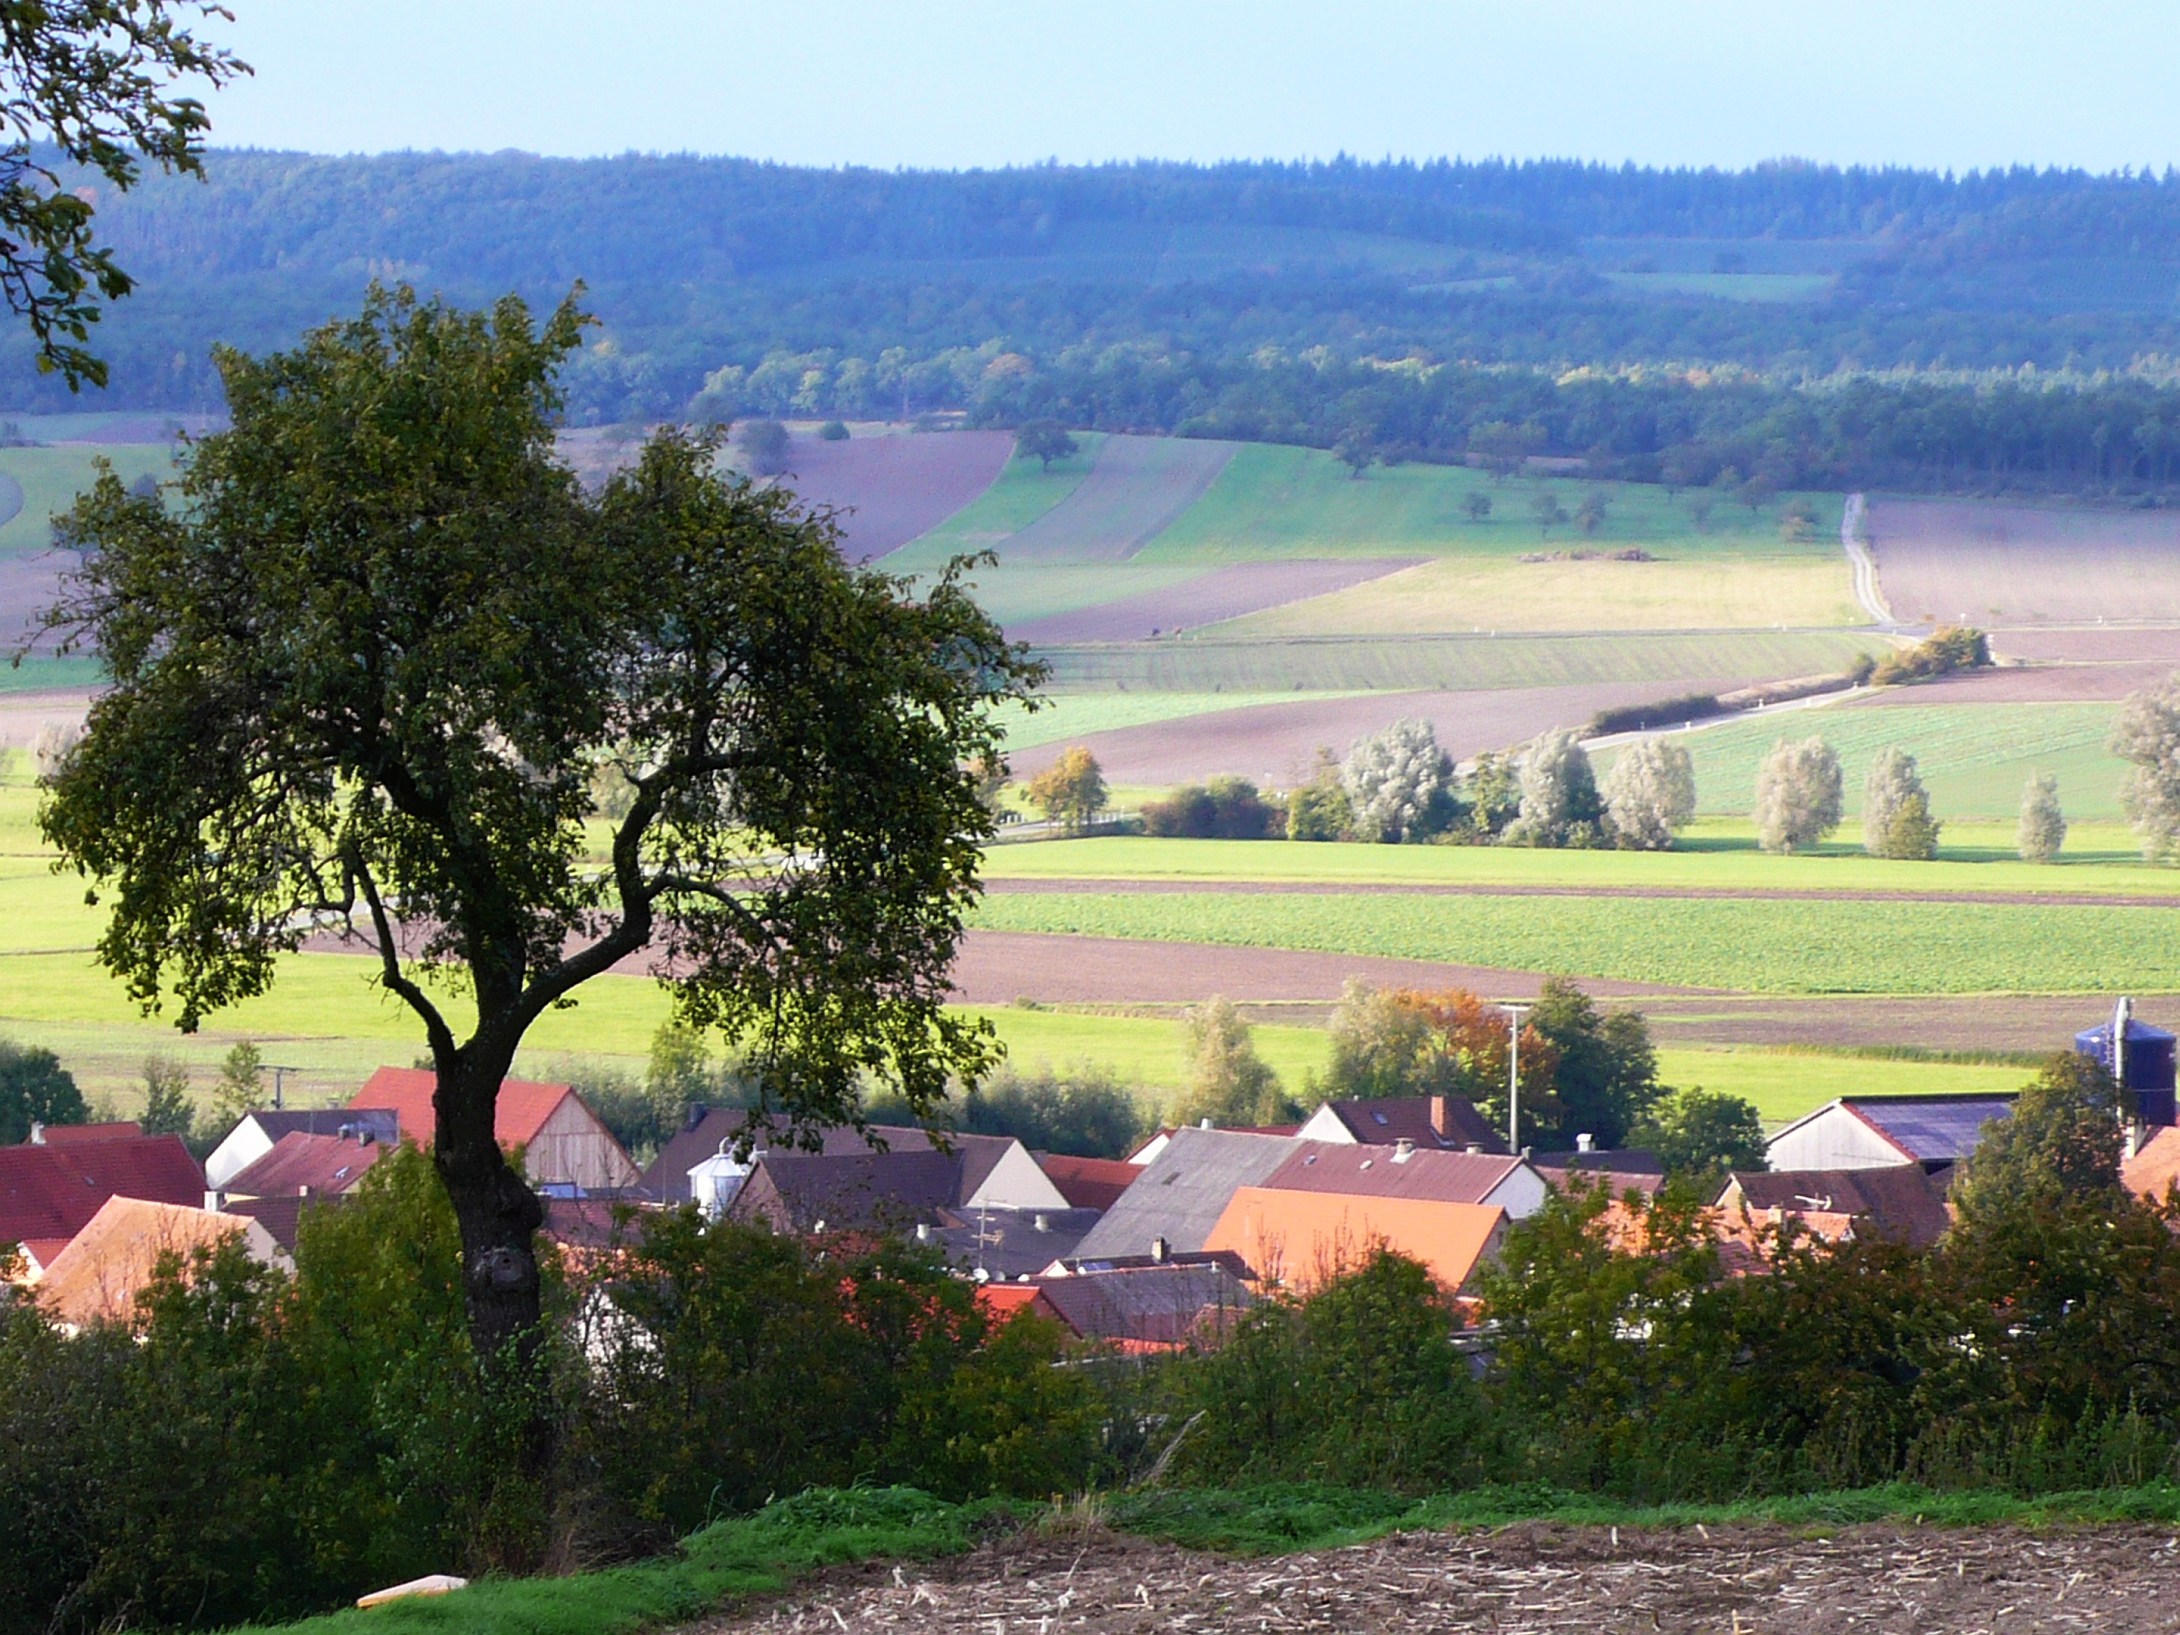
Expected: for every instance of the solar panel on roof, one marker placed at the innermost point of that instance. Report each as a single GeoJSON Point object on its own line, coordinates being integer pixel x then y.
{"type": "Point", "coordinates": [1941, 1128]}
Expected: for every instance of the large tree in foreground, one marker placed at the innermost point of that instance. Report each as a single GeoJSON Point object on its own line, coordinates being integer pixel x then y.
{"type": "Point", "coordinates": [368, 662]}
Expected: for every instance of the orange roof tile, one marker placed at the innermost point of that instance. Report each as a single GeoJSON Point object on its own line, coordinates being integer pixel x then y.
{"type": "Point", "coordinates": [1302, 1238]}
{"type": "Point", "coordinates": [522, 1110]}
{"type": "Point", "coordinates": [98, 1276]}
{"type": "Point", "coordinates": [2154, 1170]}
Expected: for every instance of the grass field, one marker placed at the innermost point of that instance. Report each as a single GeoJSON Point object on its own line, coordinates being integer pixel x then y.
{"type": "Point", "coordinates": [1785, 1084]}
{"type": "Point", "coordinates": [51, 479]}
{"type": "Point", "coordinates": [1275, 501]}
{"type": "Point", "coordinates": [1974, 758]}
{"type": "Point", "coordinates": [1444, 663]}
{"type": "Point", "coordinates": [1459, 593]}
{"type": "Point", "coordinates": [1808, 946]}
{"type": "Point", "coordinates": [40, 673]}
{"type": "Point", "coordinates": [1716, 855]}
{"type": "Point", "coordinates": [1024, 491]}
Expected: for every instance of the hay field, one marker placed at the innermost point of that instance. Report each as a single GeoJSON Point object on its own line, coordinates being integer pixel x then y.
{"type": "Point", "coordinates": [1462, 593]}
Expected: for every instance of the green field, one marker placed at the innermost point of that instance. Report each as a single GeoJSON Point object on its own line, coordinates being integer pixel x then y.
{"type": "Point", "coordinates": [1716, 855]}
{"type": "Point", "coordinates": [1443, 663]}
{"type": "Point", "coordinates": [1274, 501]}
{"type": "Point", "coordinates": [1808, 946]}
{"type": "Point", "coordinates": [1784, 1084]}
{"type": "Point", "coordinates": [1024, 491]}
{"type": "Point", "coordinates": [51, 478]}
{"type": "Point", "coordinates": [1974, 758]}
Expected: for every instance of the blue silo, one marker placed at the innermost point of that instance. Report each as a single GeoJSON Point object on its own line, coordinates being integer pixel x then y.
{"type": "Point", "coordinates": [2144, 1064]}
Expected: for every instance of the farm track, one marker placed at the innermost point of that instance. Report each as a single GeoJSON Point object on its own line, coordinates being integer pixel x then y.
{"type": "Point", "coordinates": [1073, 885]}
{"type": "Point", "coordinates": [1862, 565]}
{"type": "Point", "coordinates": [1754, 1579]}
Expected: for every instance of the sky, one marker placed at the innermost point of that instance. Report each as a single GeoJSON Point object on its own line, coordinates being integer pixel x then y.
{"type": "Point", "coordinates": [1933, 83]}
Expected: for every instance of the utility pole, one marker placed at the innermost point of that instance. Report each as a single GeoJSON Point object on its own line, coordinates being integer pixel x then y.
{"type": "Point", "coordinates": [1514, 1014]}
{"type": "Point", "coordinates": [280, 1076]}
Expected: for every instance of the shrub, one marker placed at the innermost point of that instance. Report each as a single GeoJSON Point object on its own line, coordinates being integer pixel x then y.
{"type": "Point", "coordinates": [1949, 649]}
{"type": "Point", "coordinates": [1665, 712]}
{"type": "Point", "coordinates": [834, 431]}
{"type": "Point", "coordinates": [1224, 809]}
{"type": "Point", "coordinates": [1084, 1111]}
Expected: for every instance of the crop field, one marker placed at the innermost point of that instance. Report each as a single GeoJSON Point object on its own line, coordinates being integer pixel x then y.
{"type": "Point", "coordinates": [1024, 490]}
{"type": "Point", "coordinates": [1988, 564]}
{"type": "Point", "coordinates": [1458, 593]}
{"type": "Point", "coordinates": [1227, 593]}
{"type": "Point", "coordinates": [1974, 758]}
{"type": "Point", "coordinates": [1783, 1085]}
{"type": "Point", "coordinates": [1068, 717]}
{"type": "Point", "coordinates": [1274, 501]}
{"type": "Point", "coordinates": [1808, 945]}
{"type": "Point", "coordinates": [51, 478]}
{"type": "Point", "coordinates": [892, 488]}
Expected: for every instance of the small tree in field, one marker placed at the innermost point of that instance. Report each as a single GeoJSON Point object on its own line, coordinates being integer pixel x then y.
{"type": "Point", "coordinates": [764, 446]}
{"type": "Point", "coordinates": [1476, 504]}
{"type": "Point", "coordinates": [1649, 793]}
{"type": "Point", "coordinates": [2043, 825]}
{"type": "Point", "coordinates": [1589, 516]}
{"type": "Point", "coordinates": [1559, 801]}
{"type": "Point", "coordinates": [1545, 507]}
{"type": "Point", "coordinates": [1227, 1082]}
{"type": "Point", "coordinates": [1357, 449]}
{"type": "Point", "coordinates": [1071, 791]}
{"type": "Point", "coordinates": [1797, 795]}
{"type": "Point", "coordinates": [2147, 734]}
{"type": "Point", "coordinates": [1896, 820]}
{"type": "Point", "coordinates": [1400, 783]}
{"type": "Point", "coordinates": [1044, 441]}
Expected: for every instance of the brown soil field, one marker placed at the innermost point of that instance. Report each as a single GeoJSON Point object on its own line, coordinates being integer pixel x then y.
{"type": "Point", "coordinates": [24, 715]}
{"type": "Point", "coordinates": [998, 967]}
{"type": "Point", "coordinates": [1740, 1580]}
{"type": "Point", "coordinates": [1934, 1022]}
{"type": "Point", "coordinates": [1223, 593]}
{"type": "Point", "coordinates": [893, 488]}
{"type": "Point", "coordinates": [1133, 493]}
{"type": "Point", "coordinates": [1084, 885]}
{"type": "Point", "coordinates": [1276, 744]}
{"type": "Point", "coordinates": [2132, 644]}
{"type": "Point", "coordinates": [1990, 564]}
{"type": "Point", "coordinates": [28, 586]}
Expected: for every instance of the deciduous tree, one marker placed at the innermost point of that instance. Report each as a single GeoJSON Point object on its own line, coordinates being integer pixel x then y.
{"type": "Point", "coordinates": [1559, 800]}
{"type": "Point", "coordinates": [1044, 441]}
{"type": "Point", "coordinates": [1400, 784]}
{"type": "Point", "coordinates": [1649, 793]}
{"type": "Point", "coordinates": [2062, 1141]}
{"type": "Point", "coordinates": [35, 1089]}
{"type": "Point", "coordinates": [1227, 1081]}
{"type": "Point", "coordinates": [168, 1109]}
{"type": "Point", "coordinates": [2147, 734]}
{"type": "Point", "coordinates": [2043, 824]}
{"type": "Point", "coordinates": [365, 666]}
{"type": "Point", "coordinates": [1896, 820]}
{"type": "Point", "coordinates": [1071, 791]}
{"type": "Point", "coordinates": [1700, 1134]}
{"type": "Point", "coordinates": [764, 446]}
{"type": "Point", "coordinates": [1476, 505]}
{"type": "Point", "coordinates": [1797, 795]}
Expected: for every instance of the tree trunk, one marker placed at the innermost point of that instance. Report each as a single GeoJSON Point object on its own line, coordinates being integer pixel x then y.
{"type": "Point", "coordinates": [499, 1216]}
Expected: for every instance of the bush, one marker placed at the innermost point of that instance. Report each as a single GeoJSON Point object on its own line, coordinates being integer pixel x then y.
{"type": "Point", "coordinates": [1666, 712]}
{"type": "Point", "coordinates": [834, 431]}
{"type": "Point", "coordinates": [1224, 809]}
{"type": "Point", "coordinates": [1085, 1111]}
{"type": "Point", "coordinates": [1948, 650]}
{"type": "Point", "coordinates": [1320, 809]}
{"type": "Point", "coordinates": [1896, 820]}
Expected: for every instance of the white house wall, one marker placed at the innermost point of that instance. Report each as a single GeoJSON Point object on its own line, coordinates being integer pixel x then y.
{"type": "Point", "coordinates": [1325, 1125]}
{"type": "Point", "coordinates": [1017, 1182]}
{"type": "Point", "coordinates": [1521, 1194]}
{"type": "Point", "coordinates": [1833, 1138]}
{"type": "Point", "coordinates": [246, 1143]}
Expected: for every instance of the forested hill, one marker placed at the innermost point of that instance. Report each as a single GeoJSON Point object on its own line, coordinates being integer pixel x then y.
{"type": "Point", "coordinates": [1247, 299]}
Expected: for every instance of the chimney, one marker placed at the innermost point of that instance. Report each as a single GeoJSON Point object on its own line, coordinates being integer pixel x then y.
{"type": "Point", "coordinates": [1585, 1142]}
{"type": "Point", "coordinates": [923, 1232]}
{"type": "Point", "coordinates": [1441, 1118]}
{"type": "Point", "coordinates": [1474, 1146]}
{"type": "Point", "coordinates": [1403, 1150]}
{"type": "Point", "coordinates": [302, 1191]}
{"type": "Point", "coordinates": [214, 1199]}
{"type": "Point", "coordinates": [37, 1133]}
{"type": "Point", "coordinates": [1206, 1125]}
{"type": "Point", "coordinates": [1158, 1251]}
{"type": "Point", "coordinates": [1041, 1223]}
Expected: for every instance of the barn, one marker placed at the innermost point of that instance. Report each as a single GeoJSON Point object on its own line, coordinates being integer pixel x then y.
{"type": "Point", "coordinates": [1867, 1132]}
{"type": "Point", "coordinates": [565, 1148]}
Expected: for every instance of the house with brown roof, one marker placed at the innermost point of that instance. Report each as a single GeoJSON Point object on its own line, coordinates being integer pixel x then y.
{"type": "Point", "coordinates": [2151, 1171]}
{"type": "Point", "coordinates": [106, 1265]}
{"type": "Point", "coordinates": [890, 1193]}
{"type": "Point", "coordinates": [1005, 1244]}
{"type": "Point", "coordinates": [1299, 1240]}
{"type": "Point", "coordinates": [1870, 1132]}
{"type": "Point", "coordinates": [1162, 1307]}
{"type": "Point", "coordinates": [1901, 1203]}
{"type": "Point", "coordinates": [302, 1165]}
{"type": "Point", "coordinates": [564, 1144]}
{"type": "Point", "coordinates": [996, 1171]}
{"type": "Point", "coordinates": [50, 1191]}
{"type": "Point", "coordinates": [1406, 1171]}
{"type": "Point", "coordinates": [255, 1132]}
{"type": "Point", "coordinates": [1619, 1170]}
{"type": "Point", "coordinates": [1438, 1122]}
{"type": "Point", "coordinates": [1088, 1183]}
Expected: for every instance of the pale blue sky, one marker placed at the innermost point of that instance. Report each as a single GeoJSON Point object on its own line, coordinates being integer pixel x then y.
{"type": "Point", "coordinates": [970, 82]}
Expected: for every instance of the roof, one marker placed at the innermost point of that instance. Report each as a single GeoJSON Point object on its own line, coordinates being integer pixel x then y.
{"type": "Point", "coordinates": [1428, 1121]}
{"type": "Point", "coordinates": [1180, 1194]}
{"type": "Point", "coordinates": [707, 1129]}
{"type": "Point", "coordinates": [854, 1192]}
{"type": "Point", "coordinates": [1418, 1172]}
{"type": "Point", "coordinates": [1162, 1305]}
{"type": "Point", "coordinates": [301, 1163]}
{"type": "Point", "coordinates": [61, 1135]}
{"type": "Point", "coordinates": [1304, 1238]}
{"type": "Point", "coordinates": [590, 1223]}
{"type": "Point", "coordinates": [1089, 1183]}
{"type": "Point", "coordinates": [384, 1123]}
{"type": "Point", "coordinates": [98, 1275]}
{"type": "Point", "coordinates": [1005, 1300]}
{"type": "Point", "coordinates": [50, 1193]}
{"type": "Point", "coordinates": [1929, 1129]}
{"type": "Point", "coordinates": [282, 1217]}
{"type": "Point", "coordinates": [523, 1107]}
{"type": "Point", "coordinates": [2154, 1170]}
{"type": "Point", "coordinates": [1011, 1243]}
{"type": "Point", "coordinates": [1899, 1202]}
{"type": "Point", "coordinates": [1620, 1170]}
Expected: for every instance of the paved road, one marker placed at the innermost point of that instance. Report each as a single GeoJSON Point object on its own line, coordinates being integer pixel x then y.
{"type": "Point", "coordinates": [1864, 565]}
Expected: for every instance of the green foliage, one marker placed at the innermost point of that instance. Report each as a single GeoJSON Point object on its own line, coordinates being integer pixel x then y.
{"type": "Point", "coordinates": [1606, 1077]}
{"type": "Point", "coordinates": [1084, 1110]}
{"type": "Point", "coordinates": [1400, 784]}
{"type": "Point", "coordinates": [1797, 795]}
{"type": "Point", "coordinates": [35, 1089]}
{"type": "Point", "coordinates": [1949, 649]}
{"type": "Point", "coordinates": [168, 1109]}
{"type": "Point", "coordinates": [2043, 824]}
{"type": "Point", "coordinates": [240, 1087]}
{"type": "Point", "coordinates": [2147, 734]}
{"type": "Point", "coordinates": [2062, 1142]}
{"type": "Point", "coordinates": [1224, 809]}
{"type": "Point", "coordinates": [764, 446]}
{"type": "Point", "coordinates": [1358, 1384]}
{"type": "Point", "coordinates": [1320, 809]}
{"type": "Point", "coordinates": [1044, 441]}
{"type": "Point", "coordinates": [1896, 820]}
{"type": "Point", "coordinates": [1649, 793]}
{"type": "Point", "coordinates": [1560, 805]}
{"type": "Point", "coordinates": [834, 431]}
{"type": "Point", "coordinates": [1700, 1134]}
{"type": "Point", "coordinates": [1227, 1081]}
{"type": "Point", "coordinates": [1384, 1046]}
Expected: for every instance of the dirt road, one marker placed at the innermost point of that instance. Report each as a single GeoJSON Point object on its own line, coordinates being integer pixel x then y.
{"type": "Point", "coordinates": [1756, 1580]}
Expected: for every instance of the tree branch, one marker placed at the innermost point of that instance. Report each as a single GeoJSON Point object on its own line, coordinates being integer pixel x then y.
{"type": "Point", "coordinates": [435, 1025]}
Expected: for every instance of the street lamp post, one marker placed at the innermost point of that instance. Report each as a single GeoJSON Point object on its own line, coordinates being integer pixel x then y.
{"type": "Point", "coordinates": [1514, 1014]}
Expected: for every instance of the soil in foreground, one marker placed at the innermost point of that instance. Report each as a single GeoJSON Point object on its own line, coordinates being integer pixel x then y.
{"type": "Point", "coordinates": [1744, 1580]}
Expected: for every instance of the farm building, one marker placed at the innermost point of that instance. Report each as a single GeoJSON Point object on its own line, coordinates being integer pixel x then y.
{"type": "Point", "coordinates": [51, 1189]}
{"type": "Point", "coordinates": [563, 1143]}
{"type": "Point", "coordinates": [255, 1133]}
{"type": "Point", "coordinates": [812, 1192]}
{"type": "Point", "coordinates": [106, 1265]}
{"type": "Point", "coordinates": [301, 1165]}
{"type": "Point", "coordinates": [1444, 1122]}
{"type": "Point", "coordinates": [1405, 1171]}
{"type": "Point", "coordinates": [1298, 1240]}
{"type": "Point", "coordinates": [1902, 1203]}
{"type": "Point", "coordinates": [2140, 1060]}
{"type": "Point", "coordinates": [1181, 1193]}
{"type": "Point", "coordinates": [1868, 1132]}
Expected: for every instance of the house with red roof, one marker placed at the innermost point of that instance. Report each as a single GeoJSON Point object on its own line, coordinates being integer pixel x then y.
{"type": "Point", "coordinates": [564, 1144]}
{"type": "Point", "coordinates": [50, 1190]}
{"type": "Point", "coordinates": [302, 1165]}
{"type": "Point", "coordinates": [1089, 1183]}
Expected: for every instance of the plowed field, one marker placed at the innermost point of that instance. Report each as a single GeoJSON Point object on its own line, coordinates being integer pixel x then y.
{"type": "Point", "coordinates": [1741, 1580]}
{"type": "Point", "coordinates": [1136, 489]}
{"type": "Point", "coordinates": [1224, 593]}
{"type": "Point", "coordinates": [895, 487]}
{"type": "Point", "coordinates": [1996, 565]}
